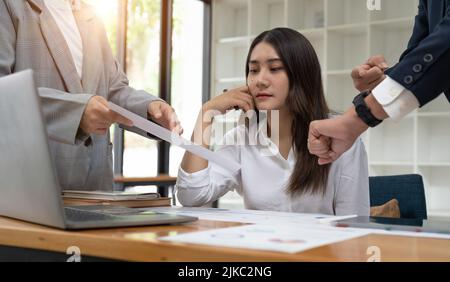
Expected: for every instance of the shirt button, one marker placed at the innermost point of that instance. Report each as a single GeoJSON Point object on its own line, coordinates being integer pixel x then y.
{"type": "Point", "coordinates": [408, 79]}
{"type": "Point", "coordinates": [428, 58]}
{"type": "Point", "coordinates": [417, 68]}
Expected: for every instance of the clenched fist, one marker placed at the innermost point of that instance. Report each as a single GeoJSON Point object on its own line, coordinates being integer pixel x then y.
{"type": "Point", "coordinates": [368, 75]}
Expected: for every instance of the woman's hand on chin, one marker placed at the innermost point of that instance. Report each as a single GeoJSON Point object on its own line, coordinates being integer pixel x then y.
{"type": "Point", "coordinates": [238, 98]}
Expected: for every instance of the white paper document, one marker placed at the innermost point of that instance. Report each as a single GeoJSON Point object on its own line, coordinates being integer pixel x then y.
{"type": "Point", "coordinates": [278, 238]}
{"type": "Point", "coordinates": [280, 218]}
{"type": "Point", "coordinates": [251, 216]}
{"type": "Point", "coordinates": [410, 234]}
{"type": "Point", "coordinates": [176, 139]}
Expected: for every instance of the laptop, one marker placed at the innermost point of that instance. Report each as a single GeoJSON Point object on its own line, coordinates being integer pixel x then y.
{"type": "Point", "coordinates": [29, 188]}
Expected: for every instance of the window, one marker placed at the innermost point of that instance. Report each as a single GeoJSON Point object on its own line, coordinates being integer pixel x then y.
{"type": "Point", "coordinates": [187, 68]}
{"type": "Point", "coordinates": [141, 60]}
{"type": "Point", "coordinates": [142, 67]}
{"type": "Point", "coordinates": [107, 10]}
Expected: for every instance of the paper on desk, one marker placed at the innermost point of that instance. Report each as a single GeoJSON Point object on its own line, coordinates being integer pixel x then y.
{"type": "Point", "coordinates": [279, 218]}
{"type": "Point", "coordinates": [280, 238]}
{"type": "Point", "coordinates": [176, 139]}
{"type": "Point", "coordinates": [331, 219]}
{"type": "Point", "coordinates": [251, 216]}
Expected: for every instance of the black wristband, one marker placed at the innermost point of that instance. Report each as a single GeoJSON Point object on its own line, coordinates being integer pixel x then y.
{"type": "Point", "coordinates": [363, 111]}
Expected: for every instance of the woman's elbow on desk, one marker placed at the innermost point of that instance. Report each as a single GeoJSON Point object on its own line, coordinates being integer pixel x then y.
{"type": "Point", "coordinates": [191, 197]}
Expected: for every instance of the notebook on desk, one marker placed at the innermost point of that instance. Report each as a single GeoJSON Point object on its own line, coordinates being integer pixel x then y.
{"type": "Point", "coordinates": [157, 202]}
{"type": "Point", "coordinates": [109, 196]}
{"type": "Point", "coordinates": [114, 198]}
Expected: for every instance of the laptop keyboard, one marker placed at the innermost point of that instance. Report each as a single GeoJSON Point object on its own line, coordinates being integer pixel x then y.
{"type": "Point", "coordinates": [83, 215]}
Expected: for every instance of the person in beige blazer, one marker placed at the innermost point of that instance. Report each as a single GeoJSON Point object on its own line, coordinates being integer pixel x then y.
{"type": "Point", "coordinates": [75, 108]}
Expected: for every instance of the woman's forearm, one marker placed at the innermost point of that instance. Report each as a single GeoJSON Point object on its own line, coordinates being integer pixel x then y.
{"type": "Point", "coordinates": [201, 136]}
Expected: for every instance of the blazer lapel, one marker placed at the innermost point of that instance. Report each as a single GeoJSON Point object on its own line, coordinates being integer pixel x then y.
{"type": "Point", "coordinates": [92, 55]}
{"type": "Point", "coordinates": [58, 48]}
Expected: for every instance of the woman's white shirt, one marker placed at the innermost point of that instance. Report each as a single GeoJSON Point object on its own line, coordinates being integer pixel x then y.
{"type": "Point", "coordinates": [264, 177]}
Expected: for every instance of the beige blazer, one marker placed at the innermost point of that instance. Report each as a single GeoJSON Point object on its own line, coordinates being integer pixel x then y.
{"type": "Point", "coordinates": [30, 39]}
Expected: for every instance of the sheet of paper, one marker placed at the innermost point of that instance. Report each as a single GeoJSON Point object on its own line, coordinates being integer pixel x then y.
{"type": "Point", "coordinates": [336, 218]}
{"type": "Point", "coordinates": [176, 139]}
{"type": "Point", "coordinates": [279, 238]}
{"type": "Point", "coordinates": [250, 216]}
{"type": "Point", "coordinates": [410, 234]}
{"type": "Point", "coordinates": [280, 218]}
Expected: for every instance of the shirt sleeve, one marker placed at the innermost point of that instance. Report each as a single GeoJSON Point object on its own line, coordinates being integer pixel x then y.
{"type": "Point", "coordinates": [206, 186]}
{"type": "Point", "coordinates": [352, 191]}
{"type": "Point", "coordinates": [396, 100]}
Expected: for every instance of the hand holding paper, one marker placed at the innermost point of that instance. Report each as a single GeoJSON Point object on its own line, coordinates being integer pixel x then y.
{"type": "Point", "coordinates": [163, 114]}
{"type": "Point", "coordinates": [97, 117]}
{"type": "Point", "coordinates": [175, 139]}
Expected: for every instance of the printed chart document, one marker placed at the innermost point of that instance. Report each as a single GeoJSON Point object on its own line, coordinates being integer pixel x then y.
{"type": "Point", "coordinates": [176, 139]}
{"type": "Point", "coordinates": [279, 238]}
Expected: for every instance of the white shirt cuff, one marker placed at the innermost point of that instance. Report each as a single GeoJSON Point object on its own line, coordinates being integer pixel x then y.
{"type": "Point", "coordinates": [396, 100]}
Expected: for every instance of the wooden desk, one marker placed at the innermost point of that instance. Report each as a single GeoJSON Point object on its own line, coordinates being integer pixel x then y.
{"type": "Point", "coordinates": [141, 244]}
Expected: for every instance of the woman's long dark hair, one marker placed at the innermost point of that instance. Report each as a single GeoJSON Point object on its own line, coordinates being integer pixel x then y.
{"type": "Point", "coordinates": [306, 102]}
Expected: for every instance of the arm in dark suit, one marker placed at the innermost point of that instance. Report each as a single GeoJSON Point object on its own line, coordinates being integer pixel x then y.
{"type": "Point", "coordinates": [420, 30]}
{"type": "Point", "coordinates": [424, 67]}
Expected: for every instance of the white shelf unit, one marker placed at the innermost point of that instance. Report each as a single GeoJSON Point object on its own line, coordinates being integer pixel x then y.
{"type": "Point", "coordinates": [345, 33]}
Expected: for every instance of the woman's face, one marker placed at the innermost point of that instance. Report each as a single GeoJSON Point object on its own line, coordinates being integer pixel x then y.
{"type": "Point", "coordinates": [267, 78]}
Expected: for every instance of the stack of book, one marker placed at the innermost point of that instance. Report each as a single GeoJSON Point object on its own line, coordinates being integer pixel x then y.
{"type": "Point", "coordinates": [118, 198]}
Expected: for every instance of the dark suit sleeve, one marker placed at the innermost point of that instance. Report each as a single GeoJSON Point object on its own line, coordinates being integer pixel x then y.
{"type": "Point", "coordinates": [421, 29]}
{"type": "Point", "coordinates": [425, 66]}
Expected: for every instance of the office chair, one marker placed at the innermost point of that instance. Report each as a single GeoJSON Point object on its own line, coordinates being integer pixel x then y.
{"type": "Point", "coordinates": [407, 189]}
